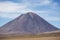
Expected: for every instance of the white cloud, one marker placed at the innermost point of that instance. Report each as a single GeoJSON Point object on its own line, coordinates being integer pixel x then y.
{"type": "Point", "coordinates": [45, 2]}
{"type": "Point", "coordinates": [9, 15]}
{"type": "Point", "coordinates": [10, 9]}
{"type": "Point", "coordinates": [10, 6]}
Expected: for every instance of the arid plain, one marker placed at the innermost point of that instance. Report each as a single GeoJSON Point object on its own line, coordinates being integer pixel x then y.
{"type": "Point", "coordinates": [43, 36]}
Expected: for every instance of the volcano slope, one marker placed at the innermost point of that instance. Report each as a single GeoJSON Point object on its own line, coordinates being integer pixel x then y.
{"type": "Point", "coordinates": [28, 26]}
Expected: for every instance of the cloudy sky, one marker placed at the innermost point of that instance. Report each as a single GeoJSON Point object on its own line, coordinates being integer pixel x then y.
{"type": "Point", "coordinates": [47, 9]}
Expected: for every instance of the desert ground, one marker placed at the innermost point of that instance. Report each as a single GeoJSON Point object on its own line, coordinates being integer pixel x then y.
{"type": "Point", "coordinates": [44, 36]}
{"type": "Point", "coordinates": [39, 38]}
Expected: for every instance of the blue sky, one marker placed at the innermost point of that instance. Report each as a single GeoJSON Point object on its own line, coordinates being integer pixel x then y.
{"type": "Point", "coordinates": [47, 9]}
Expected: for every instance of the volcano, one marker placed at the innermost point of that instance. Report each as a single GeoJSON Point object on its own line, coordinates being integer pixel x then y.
{"type": "Point", "coordinates": [29, 23]}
